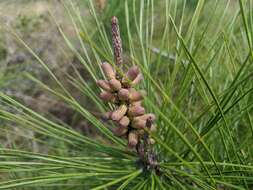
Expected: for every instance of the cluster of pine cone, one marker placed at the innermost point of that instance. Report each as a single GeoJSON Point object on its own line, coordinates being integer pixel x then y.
{"type": "Point", "coordinates": [129, 116]}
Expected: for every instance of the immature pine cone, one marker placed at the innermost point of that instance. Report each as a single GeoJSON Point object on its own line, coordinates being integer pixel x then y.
{"type": "Point", "coordinates": [129, 115]}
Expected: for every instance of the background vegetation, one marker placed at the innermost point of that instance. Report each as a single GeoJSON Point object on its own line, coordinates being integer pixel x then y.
{"type": "Point", "coordinates": [196, 57]}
